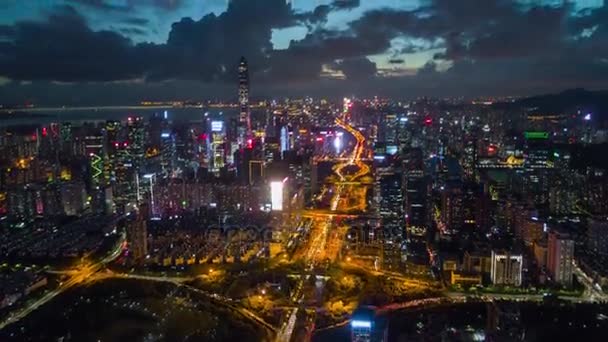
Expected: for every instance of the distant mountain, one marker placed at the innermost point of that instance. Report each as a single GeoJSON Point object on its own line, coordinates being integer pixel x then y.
{"type": "Point", "coordinates": [568, 100]}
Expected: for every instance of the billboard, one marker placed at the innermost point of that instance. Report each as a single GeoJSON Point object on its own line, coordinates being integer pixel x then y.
{"type": "Point", "coordinates": [536, 135]}
{"type": "Point", "coordinates": [392, 149]}
{"type": "Point", "coordinates": [276, 195]}
{"type": "Point", "coordinates": [217, 126]}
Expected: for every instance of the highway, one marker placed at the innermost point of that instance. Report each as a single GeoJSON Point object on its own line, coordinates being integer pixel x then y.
{"type": "Point", "coordinates": [325, 238]}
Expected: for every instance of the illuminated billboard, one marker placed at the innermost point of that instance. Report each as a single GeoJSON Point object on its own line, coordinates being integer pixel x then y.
{"type": "Point", "coordinates": [217, 126]}
{"type": "Point", "coordinates": [392, 149]}
{"type": "Point", "coordinates": [536, 135]}
{"type": "Point", "coordinates": [276, 195]}
{"type": "Point", "coordinates": [361, 324]}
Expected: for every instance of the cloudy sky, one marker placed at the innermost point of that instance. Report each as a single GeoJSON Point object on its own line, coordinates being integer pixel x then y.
{"type": "Point", "coordinates": [120, 51]}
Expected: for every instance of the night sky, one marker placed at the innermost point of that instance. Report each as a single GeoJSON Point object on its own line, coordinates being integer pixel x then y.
{"type": "Point", "coordinates": [120, 51]}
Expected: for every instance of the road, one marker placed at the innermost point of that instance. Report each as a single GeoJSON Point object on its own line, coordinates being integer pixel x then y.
{"type": "Point", "coordinates": [286, 331]}
{"type": "Point", "coordinates": [89, 274]}
{"type": "Point", "coordinates": [181, 281]}
{"type": "Point", "coordinates": [592, 290]}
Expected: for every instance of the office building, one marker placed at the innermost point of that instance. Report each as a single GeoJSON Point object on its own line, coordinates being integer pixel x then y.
{"type": "Point", "coordinates": [136, 139]}
{"type": "Point", "coordinates": [168, 153]}
{"type": "Point", "coordinates": [416, 203]}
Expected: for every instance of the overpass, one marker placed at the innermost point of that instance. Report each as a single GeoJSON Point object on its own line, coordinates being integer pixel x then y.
{"type": "Point", "coordinates": [348, 182]}
{"type": "Point", "coordinates": [321, 213]}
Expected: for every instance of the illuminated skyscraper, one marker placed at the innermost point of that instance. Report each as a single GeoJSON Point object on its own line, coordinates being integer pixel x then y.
{"type": "Point", "coordinates": [125, 179]}
{"type": "Point", "coordinates": [216, 146]}
{"type": "Point", "coordinates": [136, 138]}
{"type": "Point", "coordinates": [94, 151]}
{"type": "Point", "coordinates": [244, 118]}
{"type": "Point", "coordinates": [137, 234]}
{"type": "Point", "coordinates": [168, 153]}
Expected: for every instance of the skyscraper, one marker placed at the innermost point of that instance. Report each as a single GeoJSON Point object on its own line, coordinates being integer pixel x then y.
{"type": "Point", "coordinates": [93, 145]}
{"type": "Point", "coordinates": [216, 145]}
{"type": "Point", "coordinates": [244, 118]}
{"type": "Point", "coordinates": [137, 234]}
{"type": "Point", "coordinates": [137, 139]}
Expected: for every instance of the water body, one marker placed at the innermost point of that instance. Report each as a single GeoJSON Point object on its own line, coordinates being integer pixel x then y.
{"type": "Point", "coordinates": [102, 114]}
{"type": "Point", "coordinates": [502, 321]}
{"type": "Point", "coordinates": [131, 310]}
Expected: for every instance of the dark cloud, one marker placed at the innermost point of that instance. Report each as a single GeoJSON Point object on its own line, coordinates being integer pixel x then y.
{"type": "Point", "coordinates": [318, 48]}
{"type": "Point", "coordinates": [315, 18]}
{"type": "Point", "coordinates": [136, 21]}
{"type": "Point", "coordinates": [486, 46]}
{"type": "Point", "coordinates": [470, 28]}
{"type": "Point", "coordinates": [357, 68]}
{"type": "Point", "coordinates": [100, 5]}
{"type": "Point", "coordinates": [330, 45]}
{"type": "Point", "coordinates": [538, 31]}
{"type": "Point", "coordinates": [166, 4]}
{"type": "Point", "coordinates": [64, 48]}
{"type": "Point", "coordinates": [6, 31]}
{"type": "Point", "coordinates": [498, 43]}
{"type": "Point", "coordinates": [346, 4]}
{"type": "Point", "coordinates": [127, 5]}
{"type": "Point", "coordinates": [429, 69]}
{"type": "Point", "coordinates": [132, 31]}
{"type": "Point", "coordinates": [208, 49]}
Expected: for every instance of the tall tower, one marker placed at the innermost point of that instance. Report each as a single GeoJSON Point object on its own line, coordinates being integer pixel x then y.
{"type": "Point", "coordinates": [244, 118]}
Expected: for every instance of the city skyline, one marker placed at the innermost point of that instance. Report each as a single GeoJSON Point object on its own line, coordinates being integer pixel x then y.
{"type": "Point", "coordinates": [129, 51]}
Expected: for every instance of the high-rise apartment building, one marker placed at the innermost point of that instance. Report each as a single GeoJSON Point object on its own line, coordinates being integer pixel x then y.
{"type": "Point", "coordinates": [506, 268]}
{"type": "Point", "coordinates": [560, 254]}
